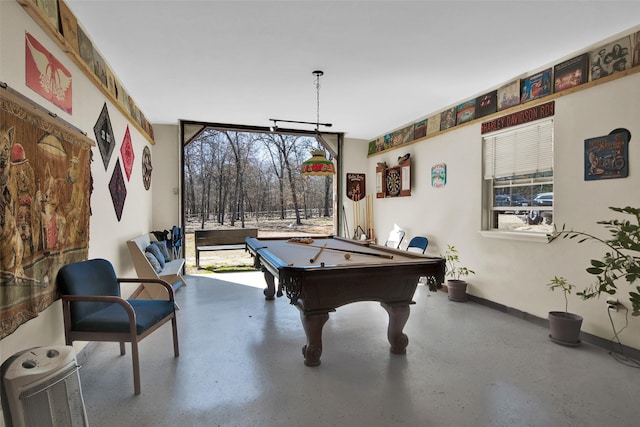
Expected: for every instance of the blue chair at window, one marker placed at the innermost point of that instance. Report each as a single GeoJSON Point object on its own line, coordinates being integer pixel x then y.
{"type": "Point", "coordinates": [418, 244]}
{"type": "Point", "coordinates": [94, 310]}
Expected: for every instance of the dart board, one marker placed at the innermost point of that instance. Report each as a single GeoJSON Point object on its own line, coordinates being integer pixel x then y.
{"type": "Point", "coordinates": [393, 182]}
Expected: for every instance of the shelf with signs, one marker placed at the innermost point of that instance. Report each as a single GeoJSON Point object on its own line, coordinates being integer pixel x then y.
{"type": "Point", "coordinates": [66, 36]}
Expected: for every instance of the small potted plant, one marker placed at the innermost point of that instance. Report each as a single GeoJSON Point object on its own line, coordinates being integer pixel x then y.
{"type": "Point", "coordinates": [564, 326]}
{"type": "Point", "coordinates": [456, 285]}
{"type": "Point", "coordinates": [620, 263]}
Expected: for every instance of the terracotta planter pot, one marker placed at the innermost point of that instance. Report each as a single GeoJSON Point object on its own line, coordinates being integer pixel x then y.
{"type": "Point", "coordinates": [457, 290]}
{"type": "Point", "coordinates": [565, 328]}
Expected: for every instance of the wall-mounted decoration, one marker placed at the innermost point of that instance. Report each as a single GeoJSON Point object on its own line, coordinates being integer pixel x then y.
{"type": "Point", "coordinates": [536, 86]}
{"type": "Point", "coordinates": [448, 118]}
{"type": "Point", "coordinates": [571, 73]}
{"type": "Point", "coordinates": [610, 58]}
{"type": "Point", "coordinates": [420, 129]}
{"type": "Point", "coordinates": [439, 175]}
{"type": "Point", "coordinates": [118, 190]}
{"type": "Point", "coordinates": [104, 136]}
{"type": "Point", "coordinates": [50, 8]}
{"type": "Point", "coordinates": [636, 49]}
{"type": "Point", "coordinates": [46, 75]}
{"type": "Point", "coordinates": [607, 157]}
{"type": "Point", "coordinates": [356, 186]}
{"type": "Point", "coordinates": [146, 168]}
{"type": "Point", "coordinates": [99, 67]}
{"type": "Point", "coordinates": [373, 146]}
{"type": "Point", "coordinates": [487, 104]}
{"type": "Point", "coordinates": [509, 95]}
{"type": "Point", "coordinates": [69, 26]}
{"type": "Point", "coordinates": [537, 112]}
{"type": "Point", "coordinates": [126, 152]}
{"type": "Point", "coordinates": [433, 124]}
{"type": "Point", "coordinates": [466, 111]}
{"type": "Point", "coordinates": [394, 181]}
{"type": "Point", "coordinates": [85, 48]}
{"type": "Point", "coordinates": [45, 188]}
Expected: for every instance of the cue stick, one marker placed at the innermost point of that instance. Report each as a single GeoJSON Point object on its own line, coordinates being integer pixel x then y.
{"type": "Point", "coordinates": [346, 250]}
{"type": "Point", "coordinates": [312, 260]}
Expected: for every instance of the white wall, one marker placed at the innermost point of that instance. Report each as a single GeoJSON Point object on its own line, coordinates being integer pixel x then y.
{"type": "Point", "coordinates": [166, 177]}
{"type": "Point", "coordinates": [514, 273]}
{"type": "Point", "coordinates": [107, 234]}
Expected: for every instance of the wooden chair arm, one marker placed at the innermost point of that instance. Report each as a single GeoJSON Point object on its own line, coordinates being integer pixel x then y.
{"type": "Point", "coordinates": [164, 283]}
{"type": "Point", "coordinates": [67, 299]}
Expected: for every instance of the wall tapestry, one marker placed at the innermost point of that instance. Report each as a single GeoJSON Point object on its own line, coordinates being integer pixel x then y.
{"type": "Point", "coordinates": [117, 189]}
{"type": "Point", "coordinates": [45, 192]}
{"type": "Point", "coordinates": [104, 136]}
{"type": "Point", "coordinates": [126, 152]}
{"type": "Point", "coordinates": [46, 75]}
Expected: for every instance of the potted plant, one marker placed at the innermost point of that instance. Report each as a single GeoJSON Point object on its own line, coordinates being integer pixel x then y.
{"type": "Point", "coordinates": [456, 285]}
{"type": "Point", "coordinates": [621, 260]}
{"type": "Point", "coordinates": [564, 327]}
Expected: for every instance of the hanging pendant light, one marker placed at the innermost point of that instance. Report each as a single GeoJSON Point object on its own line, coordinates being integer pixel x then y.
{"type": "Point", "coordinates": [318, 165]}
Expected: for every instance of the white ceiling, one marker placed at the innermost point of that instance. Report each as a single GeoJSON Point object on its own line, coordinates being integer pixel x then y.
{"type": "Point", "coordinates": [385, 63]}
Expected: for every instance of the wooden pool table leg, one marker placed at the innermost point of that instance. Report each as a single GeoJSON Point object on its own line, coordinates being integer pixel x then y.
{"type": "Point", "coordinates": [313, 324]}
{"type": "Point", "coordinates": [398, 316]}
{"type": "Point", "coordinates": [270, 292]}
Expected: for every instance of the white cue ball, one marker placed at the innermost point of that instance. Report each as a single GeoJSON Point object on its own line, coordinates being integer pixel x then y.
{"type": "Point", "coordinates": [347, 256]}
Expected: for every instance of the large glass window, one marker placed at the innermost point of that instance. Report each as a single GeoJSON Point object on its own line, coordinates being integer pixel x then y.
{"type": "Point", "coordinates": [518, 178]}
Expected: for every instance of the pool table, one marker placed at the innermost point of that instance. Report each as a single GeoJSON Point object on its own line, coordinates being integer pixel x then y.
{"type": "Point", "coordinates": [324, 273]}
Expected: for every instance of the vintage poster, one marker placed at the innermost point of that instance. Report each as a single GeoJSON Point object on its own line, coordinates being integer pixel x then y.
{"type": "Point", "coordinates": [509, 95]}
{"type": "Point", "coordinates": [536, 86]}
{"type": "Point", "coordinates": [466, 111]}
{"type": "Point", "coordinates": [606, 157]}
{"type": "Point", "coordinates": [433, 124]}
{"type": "Point", "coordinates": [610, 58]}
{"type": "Point", "coordinates": [45, 183]}
{"type": "Point", "coordinates": [571, 73]}
{"type": "Point", "coordinates": [46, 75]}
{"type": "Point", "coordinates": [448, 118]}
{"type": "Point", "coordinates": [487, 104]}
{"type": "Point", "coordinates": [439, 175]}
{"type": "Point", "coordinates": [420, 129]}
{"type": "Point", "coordinates": [356, 186]}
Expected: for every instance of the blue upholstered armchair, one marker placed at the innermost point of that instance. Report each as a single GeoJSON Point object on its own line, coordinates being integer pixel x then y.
{"type": "Point", "coordinates": [94, 310]}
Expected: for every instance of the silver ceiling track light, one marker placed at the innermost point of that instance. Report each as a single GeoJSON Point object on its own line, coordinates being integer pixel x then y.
{"type": "Point", "coordinates": [317, 123]}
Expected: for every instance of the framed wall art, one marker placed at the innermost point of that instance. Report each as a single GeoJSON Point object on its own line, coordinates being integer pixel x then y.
{"type": "Point", "coordinates": [536, 86]}
{"type": "Point", "coordinates": [610, 58]}
{"type": "Point", "coordinates": [571, 73]}
{"type": "Point", "coordinates": [607, 157]}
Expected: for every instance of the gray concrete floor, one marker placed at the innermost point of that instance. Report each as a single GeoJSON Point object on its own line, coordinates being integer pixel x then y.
{"type": "Point", "coordinates": [240, 364]}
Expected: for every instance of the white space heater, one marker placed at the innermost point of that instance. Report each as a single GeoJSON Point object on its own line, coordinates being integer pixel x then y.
{"type": "Point", "coordinates": [41, 388]}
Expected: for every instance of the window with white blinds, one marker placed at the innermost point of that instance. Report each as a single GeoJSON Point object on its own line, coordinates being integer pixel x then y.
{"type": "Point", "coordinates": [526, 150]}
{"type": "Point", "coordinates": [518, 178]}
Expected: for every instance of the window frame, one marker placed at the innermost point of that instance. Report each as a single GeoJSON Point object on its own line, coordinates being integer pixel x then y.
{"type": "Point", "coordinates": [542, 175]}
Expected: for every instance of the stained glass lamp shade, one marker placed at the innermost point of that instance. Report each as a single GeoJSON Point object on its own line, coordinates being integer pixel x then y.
{"type": "Point", "coordinates": [318, 165]}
